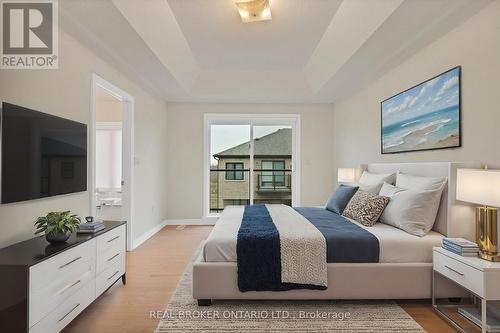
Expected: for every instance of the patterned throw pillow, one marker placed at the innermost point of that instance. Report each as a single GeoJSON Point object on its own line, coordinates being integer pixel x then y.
{"type": "Point", "coordinates": [366, 207]}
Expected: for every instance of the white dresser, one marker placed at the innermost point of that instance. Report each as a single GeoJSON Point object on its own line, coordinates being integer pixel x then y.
{"type": "Point", "coordinates": [59, 281]}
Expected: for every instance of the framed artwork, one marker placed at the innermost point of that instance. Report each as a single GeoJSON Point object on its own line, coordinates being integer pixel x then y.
{"type": "Point", "coordinates": [424, 117]}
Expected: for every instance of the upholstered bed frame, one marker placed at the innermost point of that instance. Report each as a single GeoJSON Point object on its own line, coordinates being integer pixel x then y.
{"type": "Point", "coordinates": [218, 280]}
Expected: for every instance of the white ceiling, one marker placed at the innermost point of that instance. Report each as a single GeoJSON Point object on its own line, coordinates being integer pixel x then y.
{"type": "Point", "coordinates": [219, 40]}
{"type": "Point", "coordinates": [312, 50]}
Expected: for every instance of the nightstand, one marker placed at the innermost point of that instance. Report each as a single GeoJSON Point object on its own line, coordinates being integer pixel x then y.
{"type": "Point", "coordinates": [479, 277]}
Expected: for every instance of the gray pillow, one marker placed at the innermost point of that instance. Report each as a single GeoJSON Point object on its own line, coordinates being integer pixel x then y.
{"type": "Point", "coordinates": [373, 189]}
{"type": "Point", "coordinates": [340, 198]}
{"type": "Point", "coordinates": [368, 178]}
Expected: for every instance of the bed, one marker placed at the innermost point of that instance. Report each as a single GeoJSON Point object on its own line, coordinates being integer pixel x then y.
{"type": "Point", "coordinates": [396, 246]}
{"type": "Point", "coordinates": [402, 271]}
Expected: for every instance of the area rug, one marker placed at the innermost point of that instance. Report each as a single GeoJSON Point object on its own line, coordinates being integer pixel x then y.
{"type": "Point", "coordinates": [184, 315]}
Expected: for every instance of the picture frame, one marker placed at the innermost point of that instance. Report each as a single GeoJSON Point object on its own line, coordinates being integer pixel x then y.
{"type": "Point", "coordinates": [427, 116]}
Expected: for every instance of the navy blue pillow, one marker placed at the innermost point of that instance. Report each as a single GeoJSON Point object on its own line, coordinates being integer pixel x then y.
{"type": "Point", "coordinates": [340, 198]}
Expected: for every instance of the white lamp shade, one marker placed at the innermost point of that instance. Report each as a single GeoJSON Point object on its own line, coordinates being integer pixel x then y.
{"type": "Point", "coordinates": [346, 175]}
{"type": "Point", "coordinates": [481, 187]}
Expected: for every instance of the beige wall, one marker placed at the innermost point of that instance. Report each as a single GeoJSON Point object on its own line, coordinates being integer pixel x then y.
{"type": "Point", "coordinates": [185, 152]}
{"type": "Point", "coordinates": [66, 92]}
{"type": "Point", "coordinates": [475, 46]}
{"type": "Point", "coordinates": [107, 108]}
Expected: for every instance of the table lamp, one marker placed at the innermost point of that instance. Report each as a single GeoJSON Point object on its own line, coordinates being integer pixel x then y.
{"type": "Point", "coordinates": [346, 175]}
{"type": "Point", "coordinates": [482, 187]}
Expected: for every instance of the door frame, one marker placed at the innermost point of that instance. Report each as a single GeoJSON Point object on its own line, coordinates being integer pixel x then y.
{"type": "Point", "coordinates": [127, 150]}
{"type": "Point", "coordinates": [292, 120]}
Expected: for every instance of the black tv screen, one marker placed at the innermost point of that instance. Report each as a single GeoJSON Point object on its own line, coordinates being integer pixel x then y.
{"type": "Point", "coordinates": [42, 155]}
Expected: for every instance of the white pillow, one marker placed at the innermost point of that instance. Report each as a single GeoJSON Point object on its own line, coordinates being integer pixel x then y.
{"type": "Point", "coordinates": [413, 211]}
{"type": "Point", "coordinates": [368, 178]}
{"type": "Point", "coordinates": [419, 183]}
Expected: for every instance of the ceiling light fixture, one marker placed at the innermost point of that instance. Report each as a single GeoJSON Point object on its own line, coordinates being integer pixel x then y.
{"type": "Point", "coordinates": [254, 10]}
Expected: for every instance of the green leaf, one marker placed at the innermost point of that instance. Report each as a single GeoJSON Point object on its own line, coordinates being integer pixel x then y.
{"type": "Point", "coordinates": [57, 222]}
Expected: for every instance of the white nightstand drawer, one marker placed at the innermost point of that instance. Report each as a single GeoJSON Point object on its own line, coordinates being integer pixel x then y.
{"type": "Point", "coordinates": [111, 239]}
{"type": "Point", "coordinates": [465, 275]}
{"type": "Point", "coordinates": [109, 276]}
{"type": "Point", "coordinates": [67, 311]}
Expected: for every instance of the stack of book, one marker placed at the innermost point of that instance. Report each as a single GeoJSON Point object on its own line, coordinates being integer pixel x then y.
{"type": "Point", "coordinates": [460, 246]}
{"type": "Point", "coordinates": [91, 228]}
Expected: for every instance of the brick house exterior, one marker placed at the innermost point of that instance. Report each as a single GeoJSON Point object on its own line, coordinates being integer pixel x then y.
{"type": "Point", "coordinates": [271, 178]}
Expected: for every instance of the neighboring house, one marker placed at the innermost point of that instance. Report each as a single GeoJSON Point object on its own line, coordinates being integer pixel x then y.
{"type": "Point", "coordinates": [272, 172]}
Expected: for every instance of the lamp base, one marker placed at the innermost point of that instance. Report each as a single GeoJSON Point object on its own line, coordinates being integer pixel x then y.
{"type": "Point", "coordinates": [487, 233]}
{"type": "Point", "coordinates": [489, 257]}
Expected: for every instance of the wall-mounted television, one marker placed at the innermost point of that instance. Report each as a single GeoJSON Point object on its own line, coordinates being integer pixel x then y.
{"type": "Point", "coordinates": [42, 155]}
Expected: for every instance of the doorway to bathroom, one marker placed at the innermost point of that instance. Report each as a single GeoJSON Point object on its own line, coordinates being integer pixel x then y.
{"type": "Point", "coordinates": [112, 147]}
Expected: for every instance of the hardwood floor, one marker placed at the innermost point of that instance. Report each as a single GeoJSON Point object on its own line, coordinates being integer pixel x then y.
{"type": "Point", "coordinates": [422, 312]}
{"type": "Point", "coordinates": [153, 270]}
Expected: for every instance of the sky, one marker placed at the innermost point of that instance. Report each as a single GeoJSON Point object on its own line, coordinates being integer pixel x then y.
{"type": "Point", "coordinates": [433, 95]}
{"type": "Point", "coordinates": [227, 136]}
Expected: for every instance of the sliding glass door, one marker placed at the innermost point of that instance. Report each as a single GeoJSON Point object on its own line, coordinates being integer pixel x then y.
{"type": "Point", "coordinates": [229, 166]}
{"type": "Point", "coordinates": [250, 160]}
{"type": "Point", "coordinates": [272, 164]}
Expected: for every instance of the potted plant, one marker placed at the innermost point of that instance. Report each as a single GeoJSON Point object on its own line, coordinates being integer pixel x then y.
{"type": "Point", "coordinates": [57, 226]}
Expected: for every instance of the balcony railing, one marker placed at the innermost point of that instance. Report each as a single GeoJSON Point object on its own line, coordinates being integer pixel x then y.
{"type": "Point", "coordinates": [274, 181]}
{"type": "Point", "coordinates": [270, 186]}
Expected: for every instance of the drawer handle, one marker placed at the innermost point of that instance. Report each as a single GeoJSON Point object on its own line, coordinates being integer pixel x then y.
{"type": "Point", "coordinates": [112, 276]}
{"type": "Point", "coordinates": [114, 238]}
{"type": "Point", "coordinates": [67, 314]}
{"type": "Point", "coordinates": [453, 270]}
{"type": "Point", "coordinates": [113, 257]}
{"type": "Point", "coordinates": [69, 263]}
{"type": "Point", "coordinates": [69, 287]}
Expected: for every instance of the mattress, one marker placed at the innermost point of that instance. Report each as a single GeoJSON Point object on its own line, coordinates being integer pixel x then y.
{"type": "Point", "coordinates": [396, 245]}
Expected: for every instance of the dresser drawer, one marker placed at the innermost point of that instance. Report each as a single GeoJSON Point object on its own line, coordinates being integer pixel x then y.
{"type": "Point", "coordinates": [108, 277]}
{"type": "Point", "coordinates": [465, 275]}
{"type": "Point", "coordinates": [111, 240]}
{"type": "Point", "coordinates": [43, 300]}
{"type": "Point", "coordinates": [110, 257]}
{"type": "Point", "coordinates": [61, 266]}
{"type": "Point", "coordinates": [67, 311]}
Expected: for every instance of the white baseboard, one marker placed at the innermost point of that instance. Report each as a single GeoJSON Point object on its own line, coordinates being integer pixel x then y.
{"type": "Point", "coordinates": [202, 221]}
{"type": "Point", "coordinates": [147, 235]}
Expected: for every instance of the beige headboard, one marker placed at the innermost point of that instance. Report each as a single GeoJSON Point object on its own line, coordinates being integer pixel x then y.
{"type": "Point", "coordinates": [454, 219]}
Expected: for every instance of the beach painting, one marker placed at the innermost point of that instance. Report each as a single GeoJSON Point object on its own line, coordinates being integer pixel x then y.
{"type": "Point", "coordinates": [424, 117]}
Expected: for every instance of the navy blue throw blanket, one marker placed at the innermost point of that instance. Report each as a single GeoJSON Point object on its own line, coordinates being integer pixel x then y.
{"type": "Point", "coordinates": [259, 254]}
{"type": "Point", "coordinates": [345, 241]}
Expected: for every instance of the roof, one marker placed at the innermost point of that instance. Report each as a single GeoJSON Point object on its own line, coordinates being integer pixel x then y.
{"type": "Point", "coordinates": [278, 143]}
